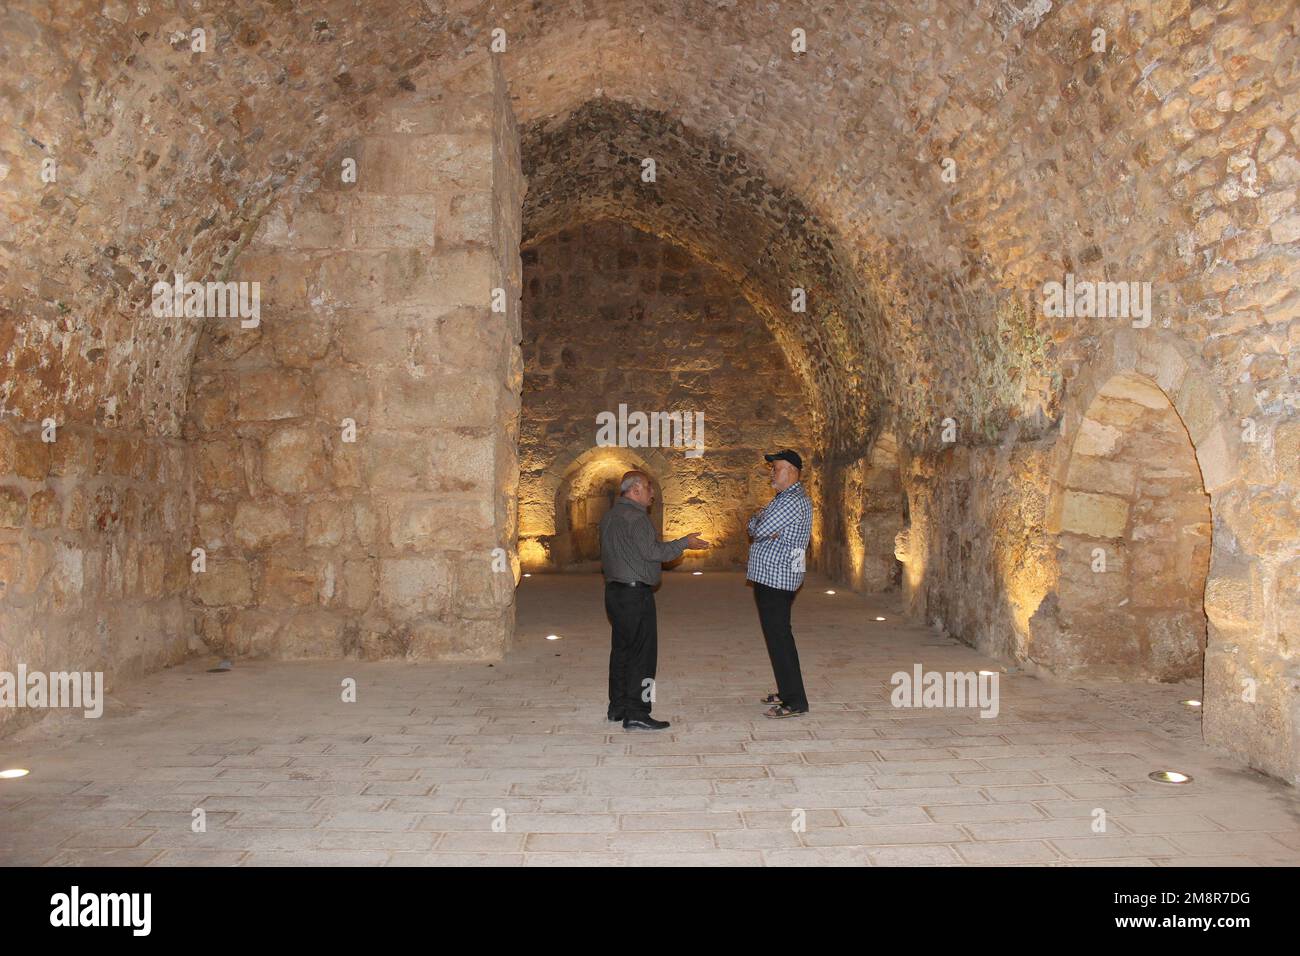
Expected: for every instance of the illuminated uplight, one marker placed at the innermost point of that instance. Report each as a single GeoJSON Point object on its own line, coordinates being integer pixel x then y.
{"type": "Point", "coordinates": [830, 592]}
{"type": "Point", "coordinates": [1191, 703]}
{"type": "Point", "coordinates": [13, 773]}
{"type": "Point", "coordinates": [697, 573]}
{"type": "Point", "coordinates": [1169, 776]}
{"type": "Point", "coordinates": [880, 619]}
{"type": "Point", "coordinates": [552, 637]}
{"type": "Point", "coordinates": [527, 575]}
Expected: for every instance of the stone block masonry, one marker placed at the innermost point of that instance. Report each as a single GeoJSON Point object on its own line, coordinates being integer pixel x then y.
{"type": "Point", "coordinates": [355, 467]}
{"type": "Point", "coordinates": [93, 532]}
{"type": "Point", "coordinates": [616, 316]}
{"type": "Point", "coordinates": [921, 172]}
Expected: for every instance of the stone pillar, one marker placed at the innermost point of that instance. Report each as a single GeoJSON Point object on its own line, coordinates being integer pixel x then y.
{"type": "Point", "coordinates": [380, 319]}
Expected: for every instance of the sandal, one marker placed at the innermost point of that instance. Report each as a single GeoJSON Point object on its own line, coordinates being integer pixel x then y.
{"type": "Point", "coordinates": [783, 711]}
{"type": "Point", "coordinates": [773, 698]}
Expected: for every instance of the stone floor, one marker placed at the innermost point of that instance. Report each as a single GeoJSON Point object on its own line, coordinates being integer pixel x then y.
{"type": "Point", "coordinates": [429, 757]}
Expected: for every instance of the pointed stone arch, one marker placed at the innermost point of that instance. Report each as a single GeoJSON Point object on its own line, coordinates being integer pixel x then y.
{"type": "Point", "coordinates": [542, 519]}
{"type": "Point", "coordinates": [1149, 363]}
{"type": "Point", "coordinates": [864, 508]}
{"type": "Point", "coordinates": [1173, 366]}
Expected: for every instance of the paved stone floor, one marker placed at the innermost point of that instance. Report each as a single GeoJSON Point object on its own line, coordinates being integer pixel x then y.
{"type": "Point", "coordinates": [419, 768]}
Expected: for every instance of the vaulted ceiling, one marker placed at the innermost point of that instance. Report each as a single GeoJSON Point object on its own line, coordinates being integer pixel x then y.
{"type": "Point", "coordinates": [820, 169]}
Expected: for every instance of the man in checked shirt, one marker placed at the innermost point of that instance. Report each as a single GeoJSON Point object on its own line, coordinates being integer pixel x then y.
{"type": "Point", "coordinates": [780, 534]}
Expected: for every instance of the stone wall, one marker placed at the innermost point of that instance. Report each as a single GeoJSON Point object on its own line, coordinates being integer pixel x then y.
{"type": "Point", "coordinates": [1169, 152]}
{"type": "Point", "coordinates": [989, 525]}
{"type": "Point", "coordinates": [93, 552]}
{"type": "Point", "coordinates": [1134, 543]}
{"type": "Point", "coordinates": [615, 316]}
{"type": "Point", "coordinates": [355, 465]}
{"type": "Point", "coordinates": [860, 509]}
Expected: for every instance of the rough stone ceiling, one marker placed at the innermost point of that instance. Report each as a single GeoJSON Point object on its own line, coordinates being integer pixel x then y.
{"type": "Point", "coordinates": [168, 158]}
{"type": "Point", "coordinates": [716, 203]}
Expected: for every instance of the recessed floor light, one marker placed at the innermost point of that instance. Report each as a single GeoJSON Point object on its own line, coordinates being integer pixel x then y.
{"type": "Point", "coordinates": [13, 773]}
{"type": "Point", "coordinates": [552, 637]}
{"type": "Point", "coordinates": [1169, 776]}
{"type": "Point", "coordinates": [697, 573]}
{"type": "Point", "coordinates": [880, 619]}
{"type": "Point", "coordinates": [1191, 703]}
{"type": "Point", "coordinates": [830, 592]}
{"type": "Point", "coordinates": [528, 575]}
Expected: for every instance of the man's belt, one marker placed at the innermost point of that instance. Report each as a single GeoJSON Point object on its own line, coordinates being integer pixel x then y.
{"type": "Point", "coordinates": [626, 584]}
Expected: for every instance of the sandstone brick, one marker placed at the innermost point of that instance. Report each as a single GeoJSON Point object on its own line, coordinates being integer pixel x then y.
{"type": "Point", "coordinates": [259, 525]}
{"type": "Point", "coordinates": [414, 585]}
{"type": "Point", "coordinates": [327, 524]}
{"type": "Point", "coordinates": [1099, 516]}
{"type": "Point", "coordinates": [294, 461]}
{"type": "Point", "coordinates": [423, 523]}
{"type": "Point", "coordinates": [225, 582]}
{"type": "Point", "coordinates": [1096, 439]}
{"type": "Point", "coordinates": [13, 508]}
{"type": "Point", "coordinates": [292, 580]}
{"type": "Point", "coordinates": [271, 394]}
{"type": "Point", "coordinates": [393, 222]}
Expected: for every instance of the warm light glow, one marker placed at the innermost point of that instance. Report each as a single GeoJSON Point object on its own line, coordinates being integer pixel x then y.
{"type": "Point", "coordinates": [880, 619]}
{"type": "Point", "coordinates": [528, 574]}
{"type": "Point", "coordinates": [532, 553]}
{"type": "Point", "coordinates": [1169, 776]}
{"type": "Point", "coordinates": [697, 572]}
{"type": "Point", "coordinates": [830, 592]}
{"type": "Point", "coordinates": [1192, 703]}
{"type": "Point", "coordinates": [13, 773]}
{"type": "Point", "coordinates": [552, 637]}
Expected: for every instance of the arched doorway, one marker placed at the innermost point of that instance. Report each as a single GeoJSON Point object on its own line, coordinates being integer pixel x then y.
{"type": "Point", "coordinates": [862, 509]}
{"type": "Point", "coordinates": [582, 500]}
{"type": "Point", "coordinates": [1134, 542]}
{"type": "Point", "coordinates": [559, 520]}
{"type": "Point", "coordinates": [884, 515]}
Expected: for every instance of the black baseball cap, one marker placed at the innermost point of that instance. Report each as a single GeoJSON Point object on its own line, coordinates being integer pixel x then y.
{"type": "Point", "coordinates": [787, 455]}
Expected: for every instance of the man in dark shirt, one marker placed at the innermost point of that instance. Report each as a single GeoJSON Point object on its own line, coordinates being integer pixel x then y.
{"type": "Point", "coordinates": [630, 555]}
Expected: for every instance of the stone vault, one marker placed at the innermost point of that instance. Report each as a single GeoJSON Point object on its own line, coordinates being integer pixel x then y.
{"type": "Point", "coordinates": [921, 172]}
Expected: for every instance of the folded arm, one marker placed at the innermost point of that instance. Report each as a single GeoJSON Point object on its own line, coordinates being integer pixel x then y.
{"type": "Point", "coordinates": [777, 516]}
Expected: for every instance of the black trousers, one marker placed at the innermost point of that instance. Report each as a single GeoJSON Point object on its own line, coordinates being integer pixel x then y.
{"type": "Point", "coordinates": [774, 616]}
{"type": "Point", "coordinates": [634, 648]}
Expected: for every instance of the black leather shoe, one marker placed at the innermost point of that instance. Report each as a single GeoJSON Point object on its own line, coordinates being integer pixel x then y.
{"type": "Point", "coordinates": [614, 715]}
{"type": "Point", "coordinates": [644, 723]}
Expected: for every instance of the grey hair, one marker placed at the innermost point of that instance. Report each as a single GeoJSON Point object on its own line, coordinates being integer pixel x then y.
{"type": "Point", "coordinates": [630, 482]}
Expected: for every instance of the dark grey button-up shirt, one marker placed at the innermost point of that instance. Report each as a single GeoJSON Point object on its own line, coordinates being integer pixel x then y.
{"type": "Point", "coordinates": [629, 548]}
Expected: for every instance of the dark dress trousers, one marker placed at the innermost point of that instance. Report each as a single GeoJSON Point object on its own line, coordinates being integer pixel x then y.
{"type": "Point", "coordinates": [630, 555]}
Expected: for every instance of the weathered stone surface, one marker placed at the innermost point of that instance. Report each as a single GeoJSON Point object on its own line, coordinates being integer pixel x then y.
{"type": "Point", "coordinates": [1169, 158]}
{"type": "Point", "coordinates": [366, 464]}
{"type": "Point", "coordinates": [1099, 516]}
{"type": "Point", "coordinates": [294, 460]}
{"type": "Point", "coordinates": [261, 524]}
{"type": "Point", "coordinates": [414, 585]}
{"type": "Point", "coordinates": [615, 317]}
{"type": "Point", "coordinates": [224, 582]}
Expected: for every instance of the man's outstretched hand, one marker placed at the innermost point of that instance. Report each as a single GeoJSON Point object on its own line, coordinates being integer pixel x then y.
{"type": "Point", "coordinates": [696, 543]}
